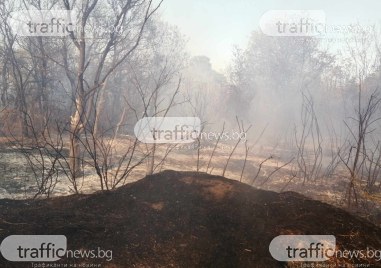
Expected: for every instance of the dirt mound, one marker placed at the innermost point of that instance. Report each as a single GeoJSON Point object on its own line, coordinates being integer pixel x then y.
{"type": "Point", "coordinates": [185, 219]}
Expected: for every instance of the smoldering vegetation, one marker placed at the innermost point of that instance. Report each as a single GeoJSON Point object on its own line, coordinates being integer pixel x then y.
{"type": "Point", "coordinates": [290, 113]}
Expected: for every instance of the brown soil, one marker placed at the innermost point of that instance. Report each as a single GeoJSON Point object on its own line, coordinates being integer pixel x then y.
{"type": "Point", "coordinates": [185, 219]}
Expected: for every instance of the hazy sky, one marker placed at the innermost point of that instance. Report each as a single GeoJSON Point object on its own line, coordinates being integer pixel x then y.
{"type": "Point", "coordinates": [213, 27]}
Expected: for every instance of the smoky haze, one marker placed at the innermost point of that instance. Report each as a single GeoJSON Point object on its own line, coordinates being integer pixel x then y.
{"type": "Point", "coordinates": [295, 112]}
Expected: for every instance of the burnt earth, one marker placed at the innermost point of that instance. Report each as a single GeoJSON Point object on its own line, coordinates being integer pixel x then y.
{"type": "Point", "coordinates": [185, 219]}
